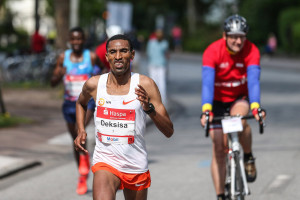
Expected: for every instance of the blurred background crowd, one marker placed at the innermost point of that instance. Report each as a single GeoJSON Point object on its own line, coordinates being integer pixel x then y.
{"type": "Point", "coordinates": [33, 32]}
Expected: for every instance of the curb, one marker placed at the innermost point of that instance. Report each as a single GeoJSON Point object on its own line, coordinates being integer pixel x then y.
{"type": "Point", "coordinates": [12, 165]}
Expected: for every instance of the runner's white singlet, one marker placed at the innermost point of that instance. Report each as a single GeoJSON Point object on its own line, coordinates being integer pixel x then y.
{"type": "Point", "coordinates": [120, 126]}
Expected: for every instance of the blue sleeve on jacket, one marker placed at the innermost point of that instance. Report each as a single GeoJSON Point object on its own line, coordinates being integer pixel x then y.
{"type": "Point", "coordinates": [253, 75]}
{"type": "Point", "coordinates": [208, 82]}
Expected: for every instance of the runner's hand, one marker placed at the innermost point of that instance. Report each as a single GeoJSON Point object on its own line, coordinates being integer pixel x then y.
{"type": "Point", "coordinates": [142, 97]}
{"type": "Point", "coordinates": [80, 140]}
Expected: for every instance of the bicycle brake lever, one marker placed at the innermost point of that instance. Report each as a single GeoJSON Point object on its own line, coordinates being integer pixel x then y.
{"type": "Point", "coordinates": [206, 127]}
{"type": "Point", "coordinates": [261, 121]}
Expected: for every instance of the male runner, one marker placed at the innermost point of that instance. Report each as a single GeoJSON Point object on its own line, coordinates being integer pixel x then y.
{"type": "Point", "coordinates": [230, 86]}
{"type": "Point", "coordinates": [74, 67]}
{"type": "Point", "coordinates": [123, 100]}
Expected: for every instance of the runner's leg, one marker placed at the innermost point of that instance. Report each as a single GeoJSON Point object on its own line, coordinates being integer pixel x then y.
{"type": "Point", "coordinates": [218, 164]}
{"type": "Point", "coordinates": [135, 195]}
{"type": "Point", "coordinates": [105, 185]}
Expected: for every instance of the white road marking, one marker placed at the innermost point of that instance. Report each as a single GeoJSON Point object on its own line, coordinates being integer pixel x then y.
{"type": "Point", "coordinates": [279, 181]}
{"type": "Point", "coordinates": [65, 138]}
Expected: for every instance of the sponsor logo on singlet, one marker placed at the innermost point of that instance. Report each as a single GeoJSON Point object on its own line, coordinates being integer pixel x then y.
{"type": "Point", "coordinates": [116, 114]}
{"type": "Point", "coordinates": [101, 102]}
{"type": "Point", "coordinates": [112, 139]}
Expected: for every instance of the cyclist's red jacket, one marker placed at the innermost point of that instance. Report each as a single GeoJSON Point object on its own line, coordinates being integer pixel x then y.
{"type": "Point", "coordinates": [225, 75]}
{"type": "Point", "coordinates": [100, 52]}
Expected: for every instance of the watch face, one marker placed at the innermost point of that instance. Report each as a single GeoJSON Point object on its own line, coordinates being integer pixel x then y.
{"type": "Point", "coordinates": [151, 109]}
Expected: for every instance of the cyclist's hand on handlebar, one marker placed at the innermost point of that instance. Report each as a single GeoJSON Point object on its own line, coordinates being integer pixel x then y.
{"type": "Point", "coordinates": [204, 117]}
{"type": "Point", "coordinates": [259, 114]}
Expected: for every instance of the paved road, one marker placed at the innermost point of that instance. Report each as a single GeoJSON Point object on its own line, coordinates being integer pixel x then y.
{"type": "Point", "coordinates": [180, 165]}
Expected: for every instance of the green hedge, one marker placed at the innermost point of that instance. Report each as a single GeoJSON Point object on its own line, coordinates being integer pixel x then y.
{"type": "Point", "coordinates": [7, 121]}
{"type": "Point", "coordinates": [203, 37]}
{"type": "Point", "coordinates": [289, 29]}
{"type": "Point", "coordinates": [296, 35]}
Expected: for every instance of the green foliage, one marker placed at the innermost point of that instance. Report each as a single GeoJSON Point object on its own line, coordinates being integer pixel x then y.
{"type": "Point", "coordinates": [296, 35]}
{"type": "Point", "coordinates": [90, 10]}
{"type": "Point", "coordinates": [262, 16]}
{"type": "Point", "coordinates": [15, 39]}
{"type": "Point", "coordinates": [7, 121]}
{"type": "Point", "coordinates": [289, 29]}
{"type": "Point", "coordinates": [203, 37]}
{"type": "Point", "coordinates": [50, 8]}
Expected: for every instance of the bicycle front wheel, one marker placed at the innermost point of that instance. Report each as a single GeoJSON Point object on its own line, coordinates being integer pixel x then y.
{"type": "Point", "coordinates": [239, 186]}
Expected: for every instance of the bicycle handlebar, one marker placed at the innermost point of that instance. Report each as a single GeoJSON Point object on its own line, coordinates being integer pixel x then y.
{"type": "Point", "coordinates": [261, 121]}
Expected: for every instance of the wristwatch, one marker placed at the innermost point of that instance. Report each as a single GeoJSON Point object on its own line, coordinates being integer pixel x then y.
{"type": "Point", "coordinates": [151, 109]}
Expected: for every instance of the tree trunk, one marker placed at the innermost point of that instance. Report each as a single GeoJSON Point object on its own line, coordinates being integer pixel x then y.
{"type": "Point", "coordinates": [2, 106]}
{"type": "Point", "coordinates": [62, 10]}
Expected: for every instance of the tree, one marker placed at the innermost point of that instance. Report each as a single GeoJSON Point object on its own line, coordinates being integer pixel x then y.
{"type": "Point", "coordinates": [263, 16]}
{"type": "Point", "coordinates": [61, 15]}
{"type": "Point", "coordinates": [2, 106]}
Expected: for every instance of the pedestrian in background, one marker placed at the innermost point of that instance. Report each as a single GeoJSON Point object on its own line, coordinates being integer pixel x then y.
{"type": "Point", "coordinates": [177, 35]}
{"type": "Point", "coordinates": [38, 43]}
{"type": "Point", "coordinates": [271, 46]}
{"type": "Point", "coordinates": [157, 53]}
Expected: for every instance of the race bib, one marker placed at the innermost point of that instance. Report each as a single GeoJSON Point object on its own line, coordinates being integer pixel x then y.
{"type": "Point", "coordinates": [232, 125]}
{"type": "Point", "coordinates": [74, 84]}
{"type": "Point", "coordinates": [115, 126]}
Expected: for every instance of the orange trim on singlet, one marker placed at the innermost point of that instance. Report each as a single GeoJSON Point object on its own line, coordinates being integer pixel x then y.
{"type": "Point", "coordinates": [129, 181]}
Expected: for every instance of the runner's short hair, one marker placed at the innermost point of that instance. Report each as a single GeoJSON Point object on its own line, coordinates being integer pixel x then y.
{"type": "Point", "coordinates": [120, 37]}
{"type": "Point", "coordinates": [77, 29]}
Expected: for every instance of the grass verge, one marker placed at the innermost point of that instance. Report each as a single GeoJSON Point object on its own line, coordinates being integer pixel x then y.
{"type": "Point", "coordinates": [8, 121]}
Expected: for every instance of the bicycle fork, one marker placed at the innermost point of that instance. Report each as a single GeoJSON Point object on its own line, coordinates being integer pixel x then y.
{"type": "Point", "coordinates": [236, 150]}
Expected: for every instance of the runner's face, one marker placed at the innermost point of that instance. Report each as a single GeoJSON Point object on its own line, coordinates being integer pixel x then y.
{"type": "Point", "coordinates": [119, 56]}
{"type": "Point", "coordinates": [76, 41]}
{"type": "Point", "coordinates": [235, 43]}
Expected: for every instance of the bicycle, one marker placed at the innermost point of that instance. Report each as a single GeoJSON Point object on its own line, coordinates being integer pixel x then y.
{"type": "Point", "coordinates": [236, 186]}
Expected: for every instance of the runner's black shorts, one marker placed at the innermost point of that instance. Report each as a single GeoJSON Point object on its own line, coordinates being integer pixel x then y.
{"type": "Point", "coordinates": [69, 109]}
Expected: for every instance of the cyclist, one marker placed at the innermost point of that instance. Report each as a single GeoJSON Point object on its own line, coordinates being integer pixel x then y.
{"type": "Point", "coordinates": [74, 67]}
{"type": "Point", "coordinates": [123, 99]}
{"type": "Point", "coordinates": [231, 86]}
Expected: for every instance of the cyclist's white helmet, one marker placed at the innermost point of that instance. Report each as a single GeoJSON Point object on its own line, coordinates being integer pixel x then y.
{"type": "Point", "coordinates": [236, 24]}
{"type": "Point", "coordinates": [113, 30]}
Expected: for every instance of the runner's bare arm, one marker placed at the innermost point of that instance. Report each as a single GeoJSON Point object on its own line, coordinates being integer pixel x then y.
{"type": "Point", "coordinates": [147, 93]}
{"type": "Point", "coordinates": [89, 90]}
{"type": "Point", "coordinates": [59, 71]}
